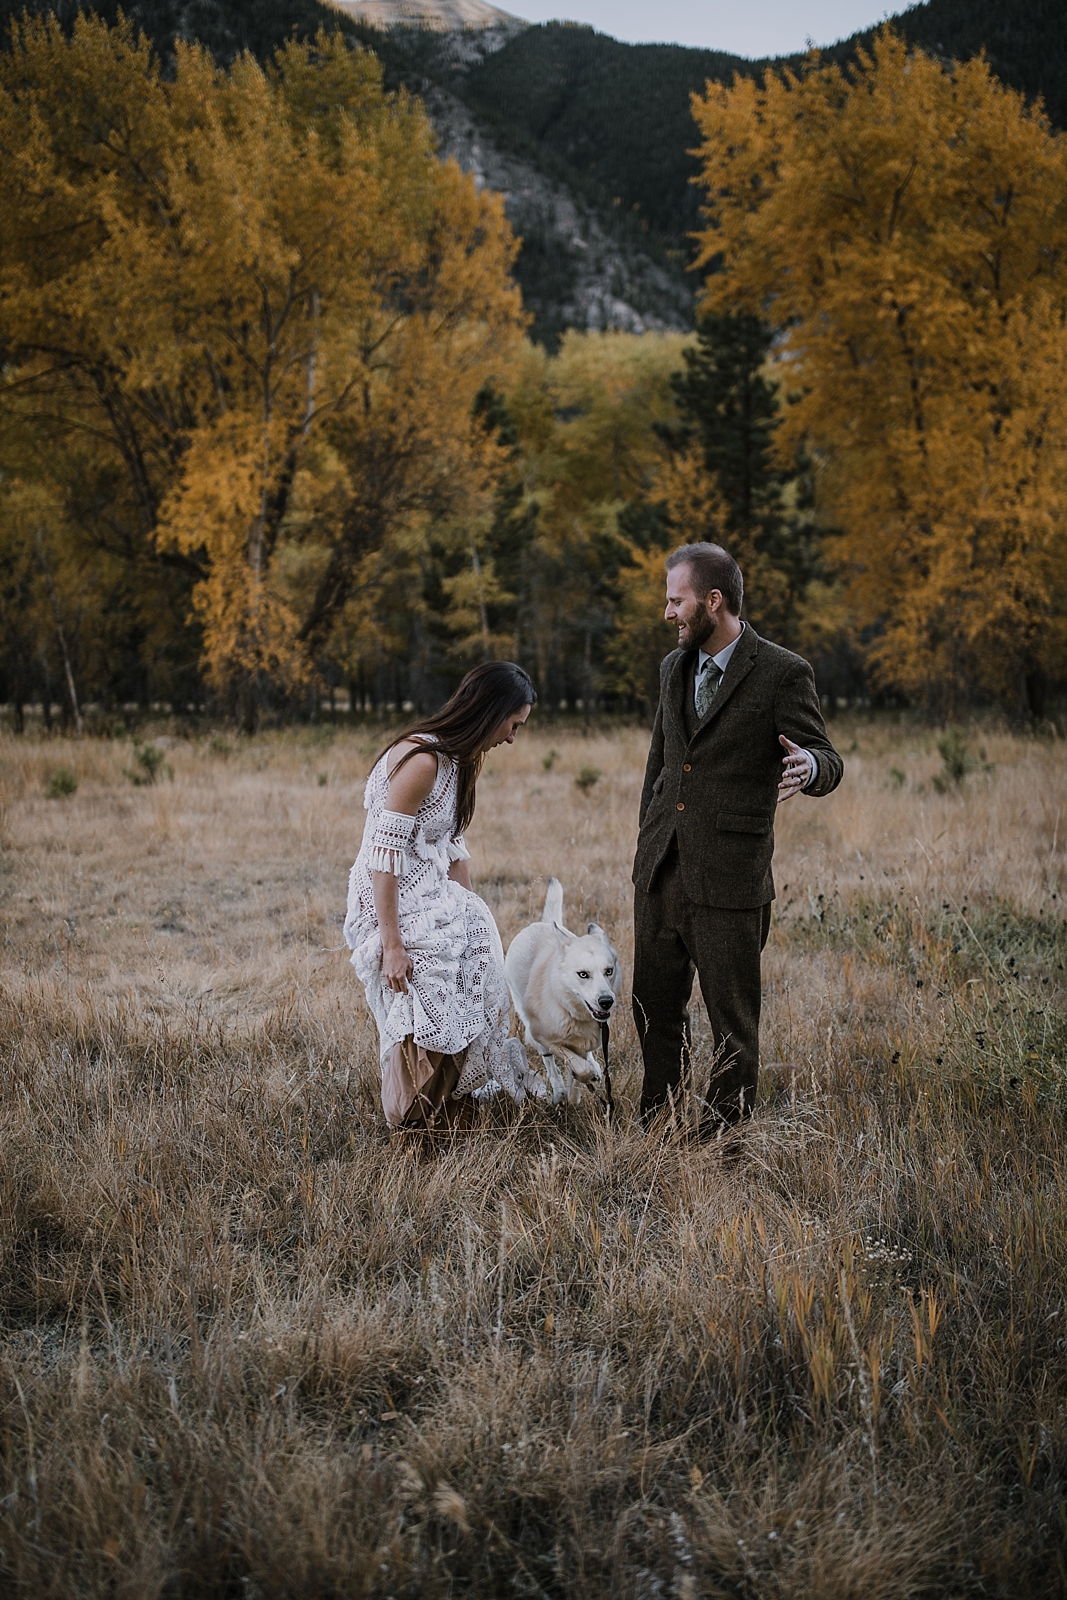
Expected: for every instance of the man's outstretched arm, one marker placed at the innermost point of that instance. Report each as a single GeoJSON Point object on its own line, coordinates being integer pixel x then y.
{"type": "Point", "coordinates": [798, 717]}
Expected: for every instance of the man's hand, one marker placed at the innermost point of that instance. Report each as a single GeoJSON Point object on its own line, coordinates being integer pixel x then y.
{"type": "Point", "coordinates": [796, 769]}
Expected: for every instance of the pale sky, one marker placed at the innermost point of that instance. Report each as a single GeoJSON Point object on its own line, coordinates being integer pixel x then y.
{"type": "Point", "coordinates": [749, 28]}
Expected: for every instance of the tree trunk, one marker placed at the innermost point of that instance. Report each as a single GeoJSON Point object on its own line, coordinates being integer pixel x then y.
{"type": "Point", "coordinates": [46, 694]}
{"type": "Point", "coordinates": [248, 707]}
{"type": "Point", "coordinates": [60, 635]}
{"type": "Point", "coordinates": [1035, 693]}
{"type": "Point", "coordinates": [483, 615]}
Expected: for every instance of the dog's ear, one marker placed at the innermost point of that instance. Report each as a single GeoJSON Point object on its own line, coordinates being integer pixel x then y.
{"type": "Point", "coordinates": [594, 927]}
{"type": "Point", "coordinates": [561, 933]}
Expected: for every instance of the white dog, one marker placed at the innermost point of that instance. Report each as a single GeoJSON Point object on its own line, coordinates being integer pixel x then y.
{"type": "Point", "coordinates": [563, 986]}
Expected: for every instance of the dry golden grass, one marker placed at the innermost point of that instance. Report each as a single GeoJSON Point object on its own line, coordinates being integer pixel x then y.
{"type": "Point", "coordinates": [253, 1347]}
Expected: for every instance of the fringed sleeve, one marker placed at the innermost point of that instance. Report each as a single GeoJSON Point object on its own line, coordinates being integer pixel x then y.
{"type": "Point", "coordinates": [457, 849]}
{"type": "Point", "coordinates": [391, 838]}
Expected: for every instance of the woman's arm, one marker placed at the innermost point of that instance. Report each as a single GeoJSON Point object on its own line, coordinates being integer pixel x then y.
{"type": "Point", "coordinates": [407, 790]}
{"type": "Point", "coordinates": [396, 963]}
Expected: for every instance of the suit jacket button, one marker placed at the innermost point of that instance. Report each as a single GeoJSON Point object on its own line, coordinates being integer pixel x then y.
{"type": "Point", "coordinates": [681, 805]}
{"type": "Point", "coordinates": [686, 767]}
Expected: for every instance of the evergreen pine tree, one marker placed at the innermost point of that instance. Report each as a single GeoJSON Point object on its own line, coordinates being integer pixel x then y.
{"type": "Point", "coordinates": [731, 410]}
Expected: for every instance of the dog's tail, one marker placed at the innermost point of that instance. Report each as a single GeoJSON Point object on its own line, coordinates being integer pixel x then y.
{"type": "Point", "coordinates": [553, 911]}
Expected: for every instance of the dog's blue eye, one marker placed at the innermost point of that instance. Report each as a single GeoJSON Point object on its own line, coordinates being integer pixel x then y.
{"type": "Point", "coordinates": [583, 974]}
{"type": "Point", "coordinates": [608, 971]}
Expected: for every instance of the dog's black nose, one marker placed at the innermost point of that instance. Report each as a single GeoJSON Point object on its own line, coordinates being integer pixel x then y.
{"type": "Point", "coordinates": [605, 1001]}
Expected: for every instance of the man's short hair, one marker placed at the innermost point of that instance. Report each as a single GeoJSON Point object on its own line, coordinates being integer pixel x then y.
{"type": "Point", "coordinates": [712, 567]}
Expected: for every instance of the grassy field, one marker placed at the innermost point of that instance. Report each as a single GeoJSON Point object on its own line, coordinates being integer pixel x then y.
{"type": "Point", "coordinates": [252, 1347]}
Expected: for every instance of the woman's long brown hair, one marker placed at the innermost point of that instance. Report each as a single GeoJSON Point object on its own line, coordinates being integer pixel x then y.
{"type": "Point", "coordinates": [488, 694]}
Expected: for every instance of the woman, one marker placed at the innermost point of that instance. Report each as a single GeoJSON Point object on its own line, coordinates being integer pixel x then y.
{"type": "Point", "coordinates": [423, 943]}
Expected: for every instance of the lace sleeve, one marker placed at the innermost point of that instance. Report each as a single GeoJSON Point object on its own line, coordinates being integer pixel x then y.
{"type": "Point", "coordinates": [391, 838]}
{"type": "Point", "coordinates": [457, 849]}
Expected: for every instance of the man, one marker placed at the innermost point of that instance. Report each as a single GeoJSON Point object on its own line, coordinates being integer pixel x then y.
{"type": "Point", "coordinates": [730, 704]}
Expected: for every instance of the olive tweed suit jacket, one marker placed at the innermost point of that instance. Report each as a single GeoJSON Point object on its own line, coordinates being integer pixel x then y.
{"type": "Point", "coordinates": [712, 784]}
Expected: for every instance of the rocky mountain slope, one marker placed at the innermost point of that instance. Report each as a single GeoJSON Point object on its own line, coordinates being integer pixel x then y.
{"type": "Point", "coordinates": [616, 117]}
{"type": "Point", "coordinates": [584, 262]}
{"type": "Point", "coordinates": [440, 16]}
{"type": "Point", "coordinates": [578, 267]}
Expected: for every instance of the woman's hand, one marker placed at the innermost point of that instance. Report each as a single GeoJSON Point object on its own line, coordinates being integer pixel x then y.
{"type": "Point", "coordinates": [396, 968]}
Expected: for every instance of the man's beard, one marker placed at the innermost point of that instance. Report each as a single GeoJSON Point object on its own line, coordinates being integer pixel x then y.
{"type": "Point", "coordinates": [700, 629]}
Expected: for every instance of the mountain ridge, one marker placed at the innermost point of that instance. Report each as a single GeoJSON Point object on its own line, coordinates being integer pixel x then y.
{"type": "Point", "coordinates": [588, 138]}
{"type": "Point", "coordinates": [438, 16]}
{"type": "Point", "coordinates": [618, 116]}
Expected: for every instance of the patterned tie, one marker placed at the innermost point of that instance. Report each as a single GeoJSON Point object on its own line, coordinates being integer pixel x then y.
{"type": "Point", "coordinates": [707, 683]}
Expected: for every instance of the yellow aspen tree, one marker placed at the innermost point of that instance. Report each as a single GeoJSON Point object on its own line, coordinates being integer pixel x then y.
{"type": "Point", "coordinates": [235, 277]}
{"type": "Point", "coordinates": [904, 224]}
{"type": "Point", "coordinates": [587, 445]}
{"type": "Point", "coordinates": [694, 510]}
{"type": "Point", "coordinates": [446, 322]}
{"type": "Point", "coordinates": [641, 638]}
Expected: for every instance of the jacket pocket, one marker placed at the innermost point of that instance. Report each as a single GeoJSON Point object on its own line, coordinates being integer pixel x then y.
{"type": "Point", "coordinates": [660, 781]}
{"type": "Point", "coordinates": [738, 822]}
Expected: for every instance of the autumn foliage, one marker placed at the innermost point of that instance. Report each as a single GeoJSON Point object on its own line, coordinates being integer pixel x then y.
{"type": "Point", "coordinates": [246, 316]}
{"type": "Point", "coordinates": [904, 226]}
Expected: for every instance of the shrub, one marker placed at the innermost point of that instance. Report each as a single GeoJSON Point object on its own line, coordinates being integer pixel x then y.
{"type": "Point", "coordinates": [958, 760]}
{"type": "Point", "coordinates": [150, 764]}
{"type": "Point", "coordinates": [587, 777]}
{"type": "Point", "coordinates": [62, 783]}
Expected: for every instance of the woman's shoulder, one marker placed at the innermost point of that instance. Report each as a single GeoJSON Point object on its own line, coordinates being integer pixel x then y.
{"type": "Point", "coordinates": [410, 781]}
{"type": "Point", "coordinates": [420, 759]}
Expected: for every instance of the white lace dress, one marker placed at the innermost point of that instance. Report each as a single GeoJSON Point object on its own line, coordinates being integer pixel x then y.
{"type": "Point", "coordinates": [457, 997]}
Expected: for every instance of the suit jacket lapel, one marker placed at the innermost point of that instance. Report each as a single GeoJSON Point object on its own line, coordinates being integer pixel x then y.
{"type": "Point", "coordinates": [738, 668]}
{"type": "Point", "coordinates": [674, 690]}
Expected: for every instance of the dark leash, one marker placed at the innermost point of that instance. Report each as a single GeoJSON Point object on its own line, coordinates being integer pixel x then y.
{"type": "Point", "coordinates": [605, 1040]}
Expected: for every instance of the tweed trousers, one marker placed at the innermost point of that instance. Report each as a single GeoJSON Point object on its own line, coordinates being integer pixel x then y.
{"type": "Point", "coordinates": [674, 937]}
